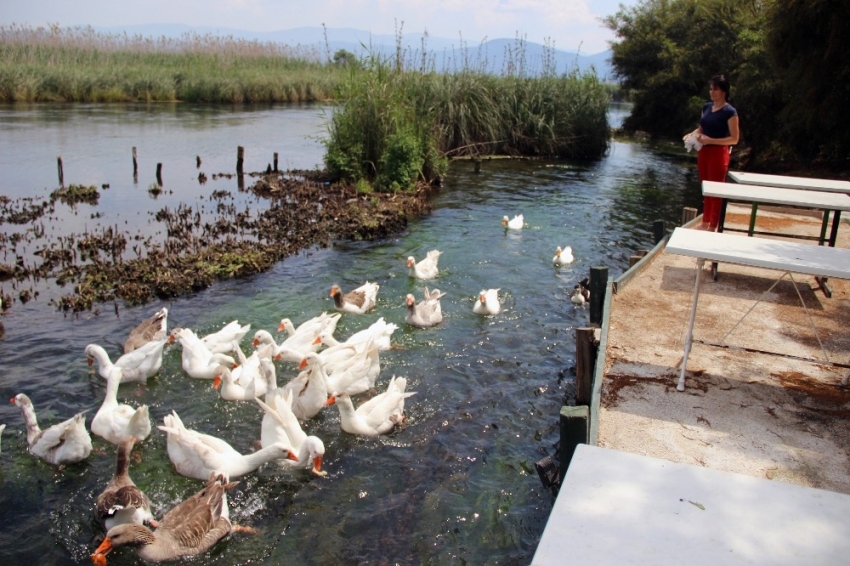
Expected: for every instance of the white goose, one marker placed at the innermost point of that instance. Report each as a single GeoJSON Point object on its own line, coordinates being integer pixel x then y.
{"type": "Point", "coordinates": [197, 455]}
{"type": "Point", "coordinates": [309, 388]}
{"type": "Point", "coordinates": [281, 425]}
{"type": "Point", "coordinates": [427, 312]}
{"type": "Point", "coordinates": [376, 416]}
{"type": "Point", "coordinates": [563, 256]}
{"type": "Point", "coordinates": [279, 351]}
{"type": "Point", "coordinates": [425, 269]}
{"type": "Point", "coordinates": [356, 376]}
{"type": "Point", "coordinates": [487, 303]}
{"type": "Point", "coordinates": [192, 527]}
{"type": "Point", "coordinates": [379, 332]}
{"type": "Point", "coordinates": [303, 338]}
{"type": "Point", "coordinates": [63, 443]}
{"type": "Point", "coordinates": [310, 327]}
{"type": "Point", "coordinates": [151, 329]}
{"type": "Point", "coordinates": [359, 301]}
{"type": "Point", "coordinates": [515, 223]}
{"type": "Point", "coordinates": [232, 390]}
{"type": "Point", "coordinates": [577, 296]}
{"type": "Point", "coordinates": [221, 342]}
{"type": "Point", "coordinates": [137, 366]}
{"type": "Point", "coordinates": [113, 421]}
{"type": "Point", "coordinates": [197, 360]}
{"type": "Point", "coordinates": [122, 501]}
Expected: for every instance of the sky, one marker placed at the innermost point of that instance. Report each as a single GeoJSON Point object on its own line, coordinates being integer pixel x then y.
{"type": "Point", "coordinates": [569, 25]}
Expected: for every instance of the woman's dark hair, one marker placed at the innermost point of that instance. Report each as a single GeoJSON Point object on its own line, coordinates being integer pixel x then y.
{"type": "Point", "coordinates": [721, 82]}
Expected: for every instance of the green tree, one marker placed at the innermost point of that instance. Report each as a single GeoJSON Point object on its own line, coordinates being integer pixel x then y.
{"type": "Point", "coordinates": [345, 58]}
{"type": "Point", "coordinates": [809, 42]}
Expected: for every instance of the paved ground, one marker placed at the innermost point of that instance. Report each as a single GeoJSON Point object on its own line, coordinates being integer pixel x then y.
{"type": "Point", "coordinates": [762, 415]}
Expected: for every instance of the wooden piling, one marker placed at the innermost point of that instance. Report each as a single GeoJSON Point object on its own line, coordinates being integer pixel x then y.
{"type": "Point", "coordinates": [198, 161]}
{"type": "Point", "coordinates": [598, 284]}
{"type": "Point", "coordinates": [275, 162]}
{"type": "Point", "coordinates": [135, 164]}
{"type": "Point", "coordinates": [61, 171]}
{"type": "Point", "coordinates": [688, 214]}
{"type": "Point", "coordinates": [240, 158]}
{"type": "Point", "coordinates": [586, 353]}
{"type": "Point", "coordinates": [574, 430]}
{"type": "Point", "coordinates": [159, 174]}
{"type": "Point", "coordinates": [657, 231]}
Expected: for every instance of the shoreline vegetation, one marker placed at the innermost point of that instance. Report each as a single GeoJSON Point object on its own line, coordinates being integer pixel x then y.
{"type": "Point", "coordinates": [397, 125]}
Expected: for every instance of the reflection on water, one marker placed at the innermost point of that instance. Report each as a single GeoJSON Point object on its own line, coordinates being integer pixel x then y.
{"type": "Point", "coordinates": [457, 484]}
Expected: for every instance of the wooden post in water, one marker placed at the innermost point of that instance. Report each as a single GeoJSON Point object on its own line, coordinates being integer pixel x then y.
{"type": "Point", "coordinates": [159, 174]}
{"type": "Point", "coordinates": [135, 165]}
{"type": "Point", "coordinates": [598, 285]}
{"type": "Point", "coordinates": [198, 161]}
{"type": "Point", "coordinates": [688, 214]}
{"type": "Point", "coordinates": [275, 162]}
{"type": "Point", "coordinates": [61, 171]}
{"type": "Point", "coordinates": [240, 158]}
{"type": "Point", "coordinates": [574, 430]}
{"type": "Point", "coordinates": [657, 231]}
{"type": "Point", "coordinates": [586, 353]}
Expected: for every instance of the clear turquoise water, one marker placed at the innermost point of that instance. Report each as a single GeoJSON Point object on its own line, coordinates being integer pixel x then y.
{"type": "Point", "coordinates": [455, 486]}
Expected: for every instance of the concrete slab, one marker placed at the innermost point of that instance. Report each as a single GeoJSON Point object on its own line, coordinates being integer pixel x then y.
{"type": "Point", "coordinates": [617, 508]}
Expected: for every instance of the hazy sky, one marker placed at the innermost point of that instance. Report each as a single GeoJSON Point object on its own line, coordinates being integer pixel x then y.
{"type": "Point", "coordinates": [572, 25]}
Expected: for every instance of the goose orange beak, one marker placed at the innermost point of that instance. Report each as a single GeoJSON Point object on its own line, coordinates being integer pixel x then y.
{"type": "Point", "coordinates": [255, 343]}
{"type": "Point", "coordinates": [331, 400]}
{"type": "Point", "coordinates": [292, 456]}
{"type": "Point", "coordinates": [303, 364]}
{"type": "Point", "coordinates": [217, 382]}
{"type": "Point", "coordinates": [317, 466]}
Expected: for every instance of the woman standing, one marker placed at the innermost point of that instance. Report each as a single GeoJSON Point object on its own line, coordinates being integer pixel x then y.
{"type": "Point", "coordinates": [717, 132]}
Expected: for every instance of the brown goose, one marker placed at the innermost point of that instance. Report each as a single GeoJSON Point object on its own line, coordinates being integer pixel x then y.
{"type": "Point", "coordinates": [359, 301]}
{"type": "Point", "coordinates": [121, 501]}
{"type": "Point", "coordinates": [151, 329]}
{"type": "Point", "coordinates": [190, 528]}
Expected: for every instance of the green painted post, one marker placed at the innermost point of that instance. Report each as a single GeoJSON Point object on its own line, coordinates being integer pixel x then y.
{"type": "Point", "coordinates": [574, 428]}
{"type": "Point", "coordinates": [598, 284]}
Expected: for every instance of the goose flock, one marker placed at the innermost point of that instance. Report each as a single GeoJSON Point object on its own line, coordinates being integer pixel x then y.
{"type": "Point", "coordinates": [330, 372]}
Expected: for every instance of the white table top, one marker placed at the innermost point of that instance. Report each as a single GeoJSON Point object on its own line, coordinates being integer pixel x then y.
{"type": "Point", "coordinates": [796, 257]}
{"type": "Point", "coordinates": [616, 508]}
{"type": "Point", "coordinates": [777, 195]}
{"type": "Point", "coordinates": [790, 182]}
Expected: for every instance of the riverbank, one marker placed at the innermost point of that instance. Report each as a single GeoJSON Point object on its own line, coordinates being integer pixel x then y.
{"type": "Point", "coordinates": [744, 411]}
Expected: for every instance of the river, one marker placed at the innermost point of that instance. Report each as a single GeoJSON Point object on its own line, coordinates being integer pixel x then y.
{"type": "Point", "coordinates": [456, 484]}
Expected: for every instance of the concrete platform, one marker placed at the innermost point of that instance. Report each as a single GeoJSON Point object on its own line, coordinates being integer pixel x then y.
{"type": "Point", "coordinates": [618, 508]}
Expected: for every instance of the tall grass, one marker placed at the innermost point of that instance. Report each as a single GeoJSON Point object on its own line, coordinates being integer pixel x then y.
{"type": "Point", "coordinates": [397, 115]}
{"type": "Point", "coordinates": [81, 65]}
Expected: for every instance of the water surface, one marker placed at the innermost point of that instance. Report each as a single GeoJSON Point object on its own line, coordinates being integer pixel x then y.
{"type": "Point", "coordinates": [457, 484]}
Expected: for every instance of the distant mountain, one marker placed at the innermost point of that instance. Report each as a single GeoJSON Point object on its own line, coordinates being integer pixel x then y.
{"type": "Point", "coordinates": [495, 55]}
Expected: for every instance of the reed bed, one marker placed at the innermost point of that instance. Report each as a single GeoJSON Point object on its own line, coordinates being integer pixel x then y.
{"type": "Point", "coordinates": [397, 126]}
{"type": "Point", "coordinates": [57, 64]}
